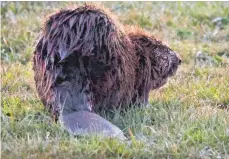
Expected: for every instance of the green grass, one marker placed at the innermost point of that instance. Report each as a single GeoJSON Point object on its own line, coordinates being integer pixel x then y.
{"type": "Point", "coordinates": [188, 117]}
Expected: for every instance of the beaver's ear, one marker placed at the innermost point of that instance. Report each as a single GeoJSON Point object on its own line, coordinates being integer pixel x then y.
{"type": "Point", "coordinates": [139, 39]}
{"type": "Point", "coordinates": [144, 41]}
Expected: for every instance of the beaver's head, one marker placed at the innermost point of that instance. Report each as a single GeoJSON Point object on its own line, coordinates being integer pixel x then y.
{"type": "Point", "coordinates": [163, 61]}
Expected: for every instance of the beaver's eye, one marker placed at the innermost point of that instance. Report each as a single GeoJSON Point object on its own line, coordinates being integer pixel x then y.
{"type": "Point", "coordinates": [60, 80]}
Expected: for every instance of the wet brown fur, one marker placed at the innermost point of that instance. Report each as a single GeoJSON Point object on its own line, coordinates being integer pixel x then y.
{"type": "Point", "coordinates": [109, 65]}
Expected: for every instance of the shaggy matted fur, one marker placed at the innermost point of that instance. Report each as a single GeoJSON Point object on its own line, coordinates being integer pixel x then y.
{"type": "Point", "coordinates": [84, 60]}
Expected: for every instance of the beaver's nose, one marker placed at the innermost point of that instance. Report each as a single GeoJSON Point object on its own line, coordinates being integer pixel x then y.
{"type": "Point", "coordinates": [179, 61]}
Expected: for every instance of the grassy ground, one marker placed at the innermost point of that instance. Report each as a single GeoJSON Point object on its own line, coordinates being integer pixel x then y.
{"type": "Point", "coordinates": [188, 118]}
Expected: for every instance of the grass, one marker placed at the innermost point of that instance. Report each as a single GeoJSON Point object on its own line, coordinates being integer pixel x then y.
{"type": "Point", "coordinates": [188, 117]}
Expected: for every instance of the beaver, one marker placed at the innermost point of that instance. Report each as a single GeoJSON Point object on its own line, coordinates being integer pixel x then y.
{"type": "Point", "coordinates": [85, 60]}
